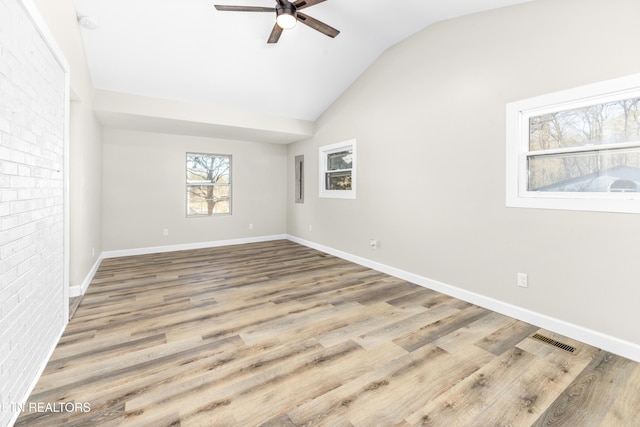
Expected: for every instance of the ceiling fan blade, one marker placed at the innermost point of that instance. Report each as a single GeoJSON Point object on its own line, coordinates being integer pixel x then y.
{"type": "Point", "coordinates": [275, 34]}
{"type": "Point", "coordinates": [301, 4]}
{"type": "Point", "coordinates": [244, 8]}
{"type": "Point", "coordinates": [317, 25]}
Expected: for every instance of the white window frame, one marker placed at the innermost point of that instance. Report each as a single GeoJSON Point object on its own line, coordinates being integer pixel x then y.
{"type": "Point", "coordinates": [323, 154]}
{"type": "Point", "coordinates": [517, 149]}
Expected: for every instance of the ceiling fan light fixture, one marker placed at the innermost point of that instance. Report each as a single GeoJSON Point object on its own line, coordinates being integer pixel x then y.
{"type": "Point", "coordinates": [286, 16]}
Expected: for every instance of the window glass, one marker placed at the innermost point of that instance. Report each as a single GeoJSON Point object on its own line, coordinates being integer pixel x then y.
{"type": "Point", "coordinates": [594, 125]}
{"type": "Point", "coordinates": [340, 160]}
{"type": "Point", "coordinates": [338, 180]}
{"type": "Point", "coordinates": [592, 171]}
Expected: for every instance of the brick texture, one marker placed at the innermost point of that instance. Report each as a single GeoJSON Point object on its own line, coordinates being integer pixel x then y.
{"type": "Point", "coordinates": [32, 112]}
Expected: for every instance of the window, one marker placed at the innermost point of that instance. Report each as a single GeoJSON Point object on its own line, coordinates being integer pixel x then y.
{"type": "Point", "coordinates": [208, 184]}
{"type": "Point", "coordinates": [577, 149]}
{"type": "Point", "coordinates": [338, 170]}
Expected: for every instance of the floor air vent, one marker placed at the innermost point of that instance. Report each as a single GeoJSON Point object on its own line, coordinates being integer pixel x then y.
{"type": "Point", "coordinates": [560, 345]}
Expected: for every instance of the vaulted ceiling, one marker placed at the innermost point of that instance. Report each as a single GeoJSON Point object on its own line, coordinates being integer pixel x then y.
{"type": "Point", "coordinates": [187, 51]}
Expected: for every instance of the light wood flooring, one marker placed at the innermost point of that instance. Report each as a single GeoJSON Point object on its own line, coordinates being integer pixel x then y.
{"type": "Point", "coordinates": [277, 334]}
{"type": "Point", "coordinates": [74, 302]}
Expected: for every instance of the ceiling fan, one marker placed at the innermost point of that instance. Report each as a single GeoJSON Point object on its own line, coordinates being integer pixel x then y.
{"type": "Point", "coordinates": [287, 14]}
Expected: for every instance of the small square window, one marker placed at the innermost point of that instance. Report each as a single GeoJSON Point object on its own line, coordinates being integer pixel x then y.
{"type": "Point", "coordinates": [338, 170]}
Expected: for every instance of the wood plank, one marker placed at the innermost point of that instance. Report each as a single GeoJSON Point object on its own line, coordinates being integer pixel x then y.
{"type": "Point", "coordinates": [506, 337]}
{"type": "Point", "coordinates": [465, 402]}
{"type": "Point", "coordinates": [597, 386]}
{"type": "Point", "coordinates": [461, 340]}
{"type": "Point", "coordinates": [538, 385]}
{"type": "Point", "coordinates": [365, 321]}
{"type": "Point", "coordinates": [407, 326]}
{"type": "Point", "coordinates": [430, 332]}
{"type": "Point", "coordinates": [626, 405]}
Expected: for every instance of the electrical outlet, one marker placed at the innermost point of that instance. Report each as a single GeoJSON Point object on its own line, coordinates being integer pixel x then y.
{"type": "Point", "coordinates": [523, 280]}
{"type": "Point", "coordinates": [165, 232]}
{"type": "Point", "coordinates": [250, 226]}
{"type": "Point", "coordinates": [310, 227]}
{"type": "Point", "coordinates": [373, 243]}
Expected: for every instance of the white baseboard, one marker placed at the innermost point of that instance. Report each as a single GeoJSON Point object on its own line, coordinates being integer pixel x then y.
{"type": "Point", "coordinates": [76, 291]}
{"type": "Point", "coordinates": [606, 342]}
{"type": "Point", "coordinates": [188, 246]}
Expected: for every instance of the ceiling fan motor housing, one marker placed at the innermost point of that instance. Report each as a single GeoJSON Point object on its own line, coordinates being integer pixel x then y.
{"type": "Point", "coordinates": [287, 9]}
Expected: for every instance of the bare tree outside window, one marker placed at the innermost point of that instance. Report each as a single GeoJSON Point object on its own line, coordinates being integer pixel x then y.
{"type": "Point", "coordinates": [585, 149]}
{"type": "Point", "coordinates": [208, 184]}
{"type": "Point", "coordinates": [338, 175]}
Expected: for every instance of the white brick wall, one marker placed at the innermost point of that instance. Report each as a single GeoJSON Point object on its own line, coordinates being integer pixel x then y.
{"type": "Point", "coordinates": [32, 297]}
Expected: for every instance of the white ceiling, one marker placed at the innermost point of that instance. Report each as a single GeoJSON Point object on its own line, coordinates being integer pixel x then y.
{"type": "Point", "coordinates": [186, 50]}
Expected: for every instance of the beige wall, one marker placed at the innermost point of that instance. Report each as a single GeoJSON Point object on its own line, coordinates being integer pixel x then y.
{"type": "Point", "coordinates": [144, 190]}
{"type": "Point", "coordinates": [85, 144]}
{"type": "Point", "coordinates": [429, 118]}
